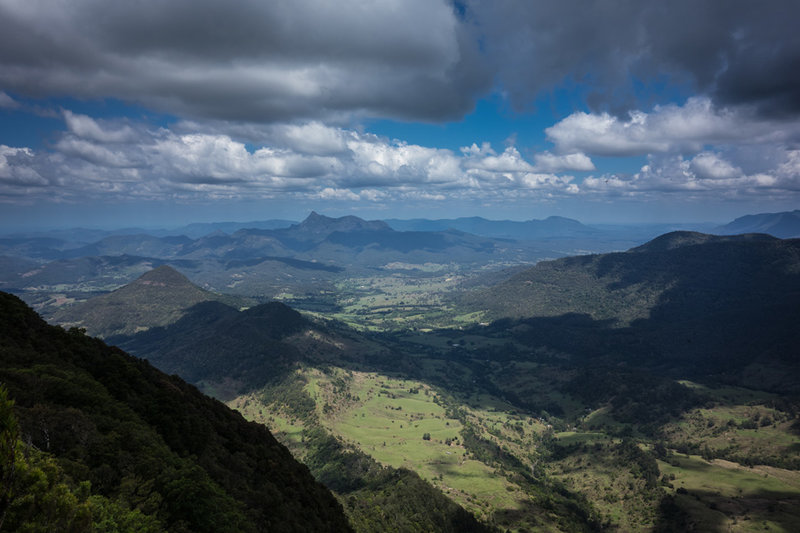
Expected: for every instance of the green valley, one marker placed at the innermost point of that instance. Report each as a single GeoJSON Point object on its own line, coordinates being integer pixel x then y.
{"type": "Point", "coordinates": [647, 390]}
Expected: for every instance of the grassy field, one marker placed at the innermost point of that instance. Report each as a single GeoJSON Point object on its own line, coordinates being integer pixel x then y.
{"type": "Point", "coordinates": [750, 433]}
{"type": "Point", "coordinates": [286, 428]}
{"type": "Point", "coordinates": [406, 423]}
{"type": "Point", "coordinates": [400, 423]}
{"type": "Point", "coordinates": [724, 496]}
{"type": "Point", "coordinates": [406, 297]}
{"type": "Point", "coordinates": [595, 470]}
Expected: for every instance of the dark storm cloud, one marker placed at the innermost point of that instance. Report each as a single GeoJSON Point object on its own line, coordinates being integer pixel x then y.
{"type": "Point", "coordinates": [736, 51]}
{"type": "Point", "coordinates": [405, 59]}
{"type": "Point", "coordinates": [248, 60]}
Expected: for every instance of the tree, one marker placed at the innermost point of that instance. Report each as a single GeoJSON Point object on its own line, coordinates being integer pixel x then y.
{"type": "Point", "coordinates": [9, 435]}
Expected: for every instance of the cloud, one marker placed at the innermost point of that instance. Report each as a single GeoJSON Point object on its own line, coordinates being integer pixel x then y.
{"type": "Point", "coordinates": [736, 52]}
{"type": "Point", "coordinates": [709, 165]}
{"type": "Point", "coordinates": [708, 174]}
{"type": "Point", "coordinates": [284, 61]}
{"type": "Point", "coordinates": [88, 128]}
{"type": "Point", "coordinates": [669, 128]}
{"type": "Point", "coordinates": [16, 171]}
{"type": "Point", "coordinates": [253, 61]}
{"type": "Point", "coordinates": [312, 138]}
{"type": "Point", "coordinates": [103, 160]}
{"type": "Point", "coordinates": [6, 102]}
{"type": "Point", "coordinates": [548, 162]}
{"type": "Point", "coordinates": [485, 158]}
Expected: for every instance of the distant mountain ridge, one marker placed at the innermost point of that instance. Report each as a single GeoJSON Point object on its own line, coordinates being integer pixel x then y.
{"type": "Point", "coordinates": [625, 286]}
{"type": "Point", "coordinates": [297, 241]}
{"type": "Point", "coordinates": [551, 227]}
{"type": "Point", "coordinates": [320, 225]}
{"type": "Point", "coordinates": [719, 302]}
{"type": "Point", "coordinates": [680, 239]}
{"type": "Point", "coordinates": [784, 225]}
{"type": "Point", "coordinates": [317, 236]}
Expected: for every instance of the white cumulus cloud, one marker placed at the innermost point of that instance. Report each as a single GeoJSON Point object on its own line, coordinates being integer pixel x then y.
{"type": "Point", "coordinates": [671, 128]}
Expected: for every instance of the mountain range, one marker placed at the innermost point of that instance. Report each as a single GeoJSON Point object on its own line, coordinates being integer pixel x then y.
{"type": "Point", "coordinates": [785, 225]}
{"type": "Point", "coordinates": [736, 297]}
{"type": "Point", "coordinates": [600, 343]}
{"type": "Point", "coordinates": [340, 241]}
{"type": "Point", "coordinates": [553, 227]}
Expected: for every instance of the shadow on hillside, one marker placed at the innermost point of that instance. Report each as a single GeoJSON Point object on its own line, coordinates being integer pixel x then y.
{"type": "Point", "coordinates": [701, 510]}
{"type": "Point", "coordinates": [569, 514]}
{"type": "Point", "coordinates": [592, 361]}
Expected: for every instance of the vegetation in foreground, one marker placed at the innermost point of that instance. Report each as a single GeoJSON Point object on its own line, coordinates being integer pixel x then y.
{"type": "Point", "coordinates": [518, 471]}
{"type": "Point", "coordinates": [97, 436]}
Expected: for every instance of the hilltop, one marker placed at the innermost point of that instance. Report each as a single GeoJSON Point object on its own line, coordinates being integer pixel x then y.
{"type": "Point", "coordinates": [157, 298]}
{"type": "Point", "coordinates": [214, 341]}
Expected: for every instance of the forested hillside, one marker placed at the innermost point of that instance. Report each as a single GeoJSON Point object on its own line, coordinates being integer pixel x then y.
{"type": "Point", "coordinates": [698, 304]}
{"type": "Point", "coordinates": [157, 298]}
{"type": "Point", "coordinates": [118, 442]}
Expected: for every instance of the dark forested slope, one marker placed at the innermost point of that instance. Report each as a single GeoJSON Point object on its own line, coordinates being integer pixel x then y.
{"type": "Point", "coordinates": [698, 305]}
{"type": "Point", "coordinates": [694, 270]}
{"type": "Point", "coordinates": [148, 441]}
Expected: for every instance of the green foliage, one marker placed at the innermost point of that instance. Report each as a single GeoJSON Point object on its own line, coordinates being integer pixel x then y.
{"type": "Point", "coordinates": [9, 436]}
{"type": "Point", "coordinates": [372, 493]}
{"type": "Point", "coordinates": [213, 339]}
{"type": "Point", "coordinates": [38, 496]}
{"type": "Point", "coordinates": [688, 304]}
{"type": "Point", "coordinates": [376, 498]}
{"type": "Point", "coordinates": [146, 441]}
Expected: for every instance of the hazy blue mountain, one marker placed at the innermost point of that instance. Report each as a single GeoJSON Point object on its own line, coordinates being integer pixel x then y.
{"type": "Point", "coordinates": [551, 227]}
{"type": "Point", "coordinates": [12, 269]}
{"type": "Point", "coordinates": [316, 228]}
{"type": "Point", "coordinates": [138, 244]}
{"type": "Point", "coordinates": [201, 229]}
{"type": "Point", "coordinates": [316, 225]}
{"type": "Point", "coordinates": [38, 248]}
{"type": "Point", "coordinates": [354, 242]}
{"type": "Point", "coordinates": [783, 225]}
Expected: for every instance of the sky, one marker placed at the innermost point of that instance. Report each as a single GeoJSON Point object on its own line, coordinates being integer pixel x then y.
{"type": "Point", "coordinates": [157, 114]}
